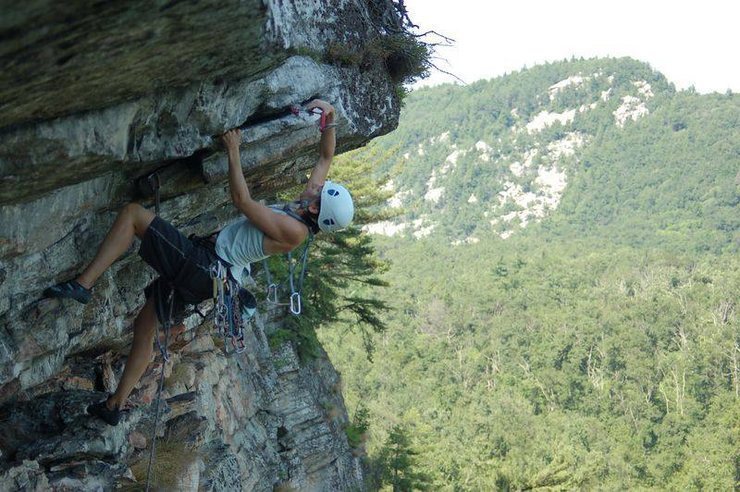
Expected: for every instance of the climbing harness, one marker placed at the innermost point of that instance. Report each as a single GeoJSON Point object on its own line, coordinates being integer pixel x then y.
{"type": "Point", "coordinates": [227, 306]}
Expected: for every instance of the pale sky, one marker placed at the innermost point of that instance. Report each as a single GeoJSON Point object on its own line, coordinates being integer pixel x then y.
{"type": "Point", "coordinates": [690, 42]}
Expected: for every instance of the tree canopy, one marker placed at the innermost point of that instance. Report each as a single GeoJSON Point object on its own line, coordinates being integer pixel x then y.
{"type": "Point", "coordinates": [597, 346]}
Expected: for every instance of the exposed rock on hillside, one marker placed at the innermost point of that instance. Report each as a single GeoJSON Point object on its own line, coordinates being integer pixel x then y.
{"type": "Point", "coordinates": [94, 96]}
{"type": "Point", "coordinates": [515, 157]}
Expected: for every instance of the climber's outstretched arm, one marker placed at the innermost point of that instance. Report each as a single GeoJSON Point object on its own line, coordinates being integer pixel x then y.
{"type": "Point", "coordinates": [326, 150]}
{"type": "Point", "coordinates": [282, 233]}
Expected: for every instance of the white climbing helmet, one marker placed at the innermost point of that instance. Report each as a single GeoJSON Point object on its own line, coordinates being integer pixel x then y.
{"type": "Point", "coordinates": [337, 208]}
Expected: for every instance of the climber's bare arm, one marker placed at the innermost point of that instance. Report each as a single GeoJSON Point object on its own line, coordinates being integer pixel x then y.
{"type": "Point", "coordinates": [326, 150]}
{"type": "Point", "coordinates": [282, 233]}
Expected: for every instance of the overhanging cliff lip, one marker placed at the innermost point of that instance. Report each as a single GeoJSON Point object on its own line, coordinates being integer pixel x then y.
{"type": "Point", "coordinates": [137, 135]}
{"type": "Point", "coordinates": [61, 58]}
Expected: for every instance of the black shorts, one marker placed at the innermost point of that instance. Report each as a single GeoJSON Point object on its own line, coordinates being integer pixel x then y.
{"type": "Point", "coordinates": [183, 266]}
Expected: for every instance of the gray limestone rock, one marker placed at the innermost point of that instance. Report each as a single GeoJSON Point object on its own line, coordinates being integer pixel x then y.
{"type": "Point", "coordinates": [94, 97]}
{"type": "Point", "coordinates": [27, 475]}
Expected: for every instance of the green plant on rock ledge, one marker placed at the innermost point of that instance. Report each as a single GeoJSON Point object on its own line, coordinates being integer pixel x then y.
{"type": "Point", "coordinates": [172, 461]}
{"type": "Point", "coordinates": [405, 57]}
{"type": "Point", "coordinates": [299, 332]}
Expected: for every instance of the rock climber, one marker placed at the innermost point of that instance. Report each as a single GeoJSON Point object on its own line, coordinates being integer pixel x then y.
{"type": "Point", "coordinates": [184, 264]}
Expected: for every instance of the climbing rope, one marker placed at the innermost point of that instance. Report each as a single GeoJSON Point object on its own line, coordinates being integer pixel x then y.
{"type": "Point", "coordinates": [155, 183]}
{"type": "Point", "coordinates": [152, 452]}
{"type": "Point", "coordinates": [165, 323]}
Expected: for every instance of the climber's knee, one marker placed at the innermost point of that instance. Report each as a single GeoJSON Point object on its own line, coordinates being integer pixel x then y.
{"type": "Point", "coordinates": [145, 324]}
{"type": "Point", "coordinates": [139, 217]}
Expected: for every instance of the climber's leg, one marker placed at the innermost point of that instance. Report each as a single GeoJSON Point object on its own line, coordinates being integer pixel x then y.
{"type": "Point", "coordinates": [133, 220]}
{"type": "Point", "coordinates": [145, 327]}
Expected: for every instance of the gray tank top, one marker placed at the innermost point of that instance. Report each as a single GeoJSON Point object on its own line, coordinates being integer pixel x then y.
{"type": "Point", "coordinates": [241, 243]}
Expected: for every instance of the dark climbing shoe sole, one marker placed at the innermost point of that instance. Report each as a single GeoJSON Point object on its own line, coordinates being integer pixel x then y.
{"type": "Point", "coordinates": [70, 289]}
{"type": "Point", "coordinates": [101, 411]}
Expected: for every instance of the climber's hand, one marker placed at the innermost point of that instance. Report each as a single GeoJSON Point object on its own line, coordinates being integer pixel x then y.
{"type": "Point", "coordinates": [231, 139]}
{"type": "Point", "coordinates": [324, 106]}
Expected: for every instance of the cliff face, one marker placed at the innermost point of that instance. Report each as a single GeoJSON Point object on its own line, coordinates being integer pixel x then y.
{"type": "Point", "coordinates": [96, 95]}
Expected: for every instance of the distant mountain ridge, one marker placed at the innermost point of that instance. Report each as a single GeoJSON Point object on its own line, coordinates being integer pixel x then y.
{"type": "Point", "coordinates": [493, 157]}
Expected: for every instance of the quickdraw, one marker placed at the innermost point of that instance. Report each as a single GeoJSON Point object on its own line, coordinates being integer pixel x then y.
{"type": "Point", "coordinates": [228, 319]}
{"type": "Point", "coordinates": [272, 287]}
{"type": "Point", "coordinates": [296, 285]}
{"type": "Point", "coordinates": [295, 290]}
{"type": "Point", "coordinates": [297, 110]}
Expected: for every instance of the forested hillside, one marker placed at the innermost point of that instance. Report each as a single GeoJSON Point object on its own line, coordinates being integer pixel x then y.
{"type": "Point", "coordinates": [564, 285]}
{"type": "Point", "coordinates": [610, 140]}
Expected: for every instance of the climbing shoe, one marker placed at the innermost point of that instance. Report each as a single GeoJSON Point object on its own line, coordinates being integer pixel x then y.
{"type": "Point", "coordinates": [71, 289]}
{"type": "Point", "coordinates": [101, 411]}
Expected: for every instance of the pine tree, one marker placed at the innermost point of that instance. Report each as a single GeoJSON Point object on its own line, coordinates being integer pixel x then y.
{"type": "Point", "coordinates": [343, 268]}
{"type": "Point", "coordinates": [397, 462]}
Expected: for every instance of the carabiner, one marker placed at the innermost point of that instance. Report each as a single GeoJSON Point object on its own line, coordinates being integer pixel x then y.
{"type": "Point", "coordinates": [295, 303]}
{"type": "Point", "coordinates": [296, 110]}
{"type": "Point", "coordinates": [217, 270]}
{"type": "Point", "coordinates": [272, 293]}
{"type": "Point", "coordinates": [238, 343]}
